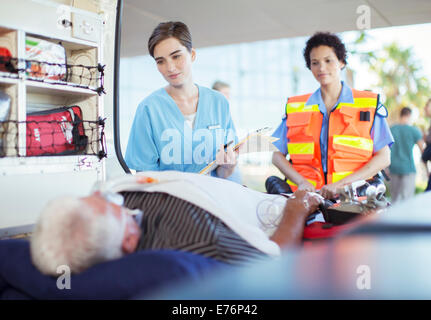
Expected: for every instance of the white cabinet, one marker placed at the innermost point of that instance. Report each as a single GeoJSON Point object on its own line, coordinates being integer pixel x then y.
{"type": "Point", "coordinates": [29, 182]}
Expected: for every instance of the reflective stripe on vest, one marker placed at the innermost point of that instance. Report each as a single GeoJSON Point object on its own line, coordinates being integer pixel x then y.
{"type": "Point", "coordinates": [359, 103]}
{"type": "Point", "coordinates": [358, 145]}
{"type": "Point", "coordinates": [337, 176]}
{"type": "Point", "coordinates": [301, 151]}
{"type": "Point", "coordinates": [301, 107]}
{"type": "Point", "coordinates": [291, 183]}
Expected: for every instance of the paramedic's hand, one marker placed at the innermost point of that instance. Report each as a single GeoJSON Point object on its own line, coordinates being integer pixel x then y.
{"type": "Point", "coordinates": [329, 191]}
{"type": "Point", "coordinates": [304, 203]}
{"type": "Point", "coordinates": [306, 186]}
{"type": "Point", "coordinates": [226, 160]}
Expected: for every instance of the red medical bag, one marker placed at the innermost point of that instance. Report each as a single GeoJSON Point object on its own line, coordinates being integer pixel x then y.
{"type": "Point", "coordinates": [56, 132]}
{"type": "Point", "coordinates": [5, 60]}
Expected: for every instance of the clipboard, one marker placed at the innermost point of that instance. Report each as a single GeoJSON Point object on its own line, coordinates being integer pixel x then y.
{"type": "Point", "coordinates": [255, 141]}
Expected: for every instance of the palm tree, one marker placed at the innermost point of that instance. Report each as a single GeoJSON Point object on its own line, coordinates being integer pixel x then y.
{"type": "Point", "coordinates": [399, 76]}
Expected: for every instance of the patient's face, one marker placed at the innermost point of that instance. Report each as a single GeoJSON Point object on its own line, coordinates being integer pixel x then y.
{"type": "Point", "coordinates": [132, 231]}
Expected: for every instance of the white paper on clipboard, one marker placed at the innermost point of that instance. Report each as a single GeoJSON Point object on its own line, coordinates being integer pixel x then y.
{"type": "Point", "coordinates": [255, 141]}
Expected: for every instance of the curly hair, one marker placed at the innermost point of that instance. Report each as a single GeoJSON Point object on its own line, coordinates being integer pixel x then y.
{"type": "Point", "coordinates": [325, 39]}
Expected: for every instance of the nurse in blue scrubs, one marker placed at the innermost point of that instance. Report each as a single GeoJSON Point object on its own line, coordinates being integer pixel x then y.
{"type": "Point", "coordinates": [182, 126]}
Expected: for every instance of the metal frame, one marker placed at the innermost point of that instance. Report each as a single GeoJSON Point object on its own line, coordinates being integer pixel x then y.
{"type": "Point", "coordinates": [117, 87]}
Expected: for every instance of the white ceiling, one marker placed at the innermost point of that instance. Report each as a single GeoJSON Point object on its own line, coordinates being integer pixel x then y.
{"type": "Point", "coordinates": [217, 22]}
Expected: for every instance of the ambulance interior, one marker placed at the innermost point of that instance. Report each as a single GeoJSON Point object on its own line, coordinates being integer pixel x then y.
{"type": "Point", "coordinates": [393, 248]}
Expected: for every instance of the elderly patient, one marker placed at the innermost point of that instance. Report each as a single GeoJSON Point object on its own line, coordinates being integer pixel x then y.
{"type": "Point", "coordinates": [181, 211]}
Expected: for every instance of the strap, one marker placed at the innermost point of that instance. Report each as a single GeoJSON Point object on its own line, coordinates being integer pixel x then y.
{"type": "Point", "coordinates": [80, 141]}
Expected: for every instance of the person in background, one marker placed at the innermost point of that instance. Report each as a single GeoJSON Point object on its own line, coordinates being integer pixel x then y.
{"type": "Point", "coordinates": [182, 126]}
{"type": "Point", "coordinates": [402, 168]}
{"type": "Point", "coordinates": [334, 136]}
{"type": "Point", "coordinates": [222, 87]}
{"type": "Point", "coordinates": [427, 154]}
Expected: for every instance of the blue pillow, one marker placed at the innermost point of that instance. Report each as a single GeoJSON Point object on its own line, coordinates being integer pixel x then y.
{"type": "Point", "coordinates": [139, 273]}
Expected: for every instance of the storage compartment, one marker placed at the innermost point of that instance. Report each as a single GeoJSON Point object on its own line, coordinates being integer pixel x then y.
{"type": "Point", "coordinates": [45, 60]}
{"type": "Point", "coordinates": [83, 68]}
{"type": "Point", "coordinates": [63, 62]}
{"type": "Point", "coordinates": [49, 74]}
{"type": "Point", "coordinates": [9, 121]}
{"type": "Point", "coordinates": [41, 101]}
{"type": "Point", "coordinates": [45, 175]}
{"type": "Point", "coordinates": [8, 53]}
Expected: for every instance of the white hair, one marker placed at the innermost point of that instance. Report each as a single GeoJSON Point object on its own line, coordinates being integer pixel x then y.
{"type": "Point", "coordinates": [70, 233]}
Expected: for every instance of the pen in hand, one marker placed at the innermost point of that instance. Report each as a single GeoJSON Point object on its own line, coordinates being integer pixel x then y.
{"type": "Point", "coordinates": [228, 144]}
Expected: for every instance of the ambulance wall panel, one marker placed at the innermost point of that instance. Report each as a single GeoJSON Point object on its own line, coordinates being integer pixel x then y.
{"type": "Point", "coordinates": [18, 193]}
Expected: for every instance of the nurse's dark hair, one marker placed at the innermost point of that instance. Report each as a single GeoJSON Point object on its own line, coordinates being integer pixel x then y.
{"type": "Point", "coordinates": [325, 39]}
{"type": "Point", "coordinates": [170, 29]}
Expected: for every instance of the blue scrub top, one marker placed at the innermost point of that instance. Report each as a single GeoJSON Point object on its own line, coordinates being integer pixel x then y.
{"type": "Point", "coordinates": [380, 132]}
{"type": "Point", "coordinates": [160, 139]}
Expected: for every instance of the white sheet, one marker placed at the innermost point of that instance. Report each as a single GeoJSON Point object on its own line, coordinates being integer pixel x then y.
{"type": "Point", "coordinates": [235, 205]}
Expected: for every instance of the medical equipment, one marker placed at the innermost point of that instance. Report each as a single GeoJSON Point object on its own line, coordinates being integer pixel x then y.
{"type": "Point", "coordinates": [357, 199]}
{"type": "Point", "coordinates": [45, 60]}
{"type": "Point", "coordinates": [269, 213]}
{"type": "Point", "coordinates": [56, 131]}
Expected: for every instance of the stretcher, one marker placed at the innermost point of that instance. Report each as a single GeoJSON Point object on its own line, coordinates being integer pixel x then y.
{"type": "Point", "coordinates": [138, 274]}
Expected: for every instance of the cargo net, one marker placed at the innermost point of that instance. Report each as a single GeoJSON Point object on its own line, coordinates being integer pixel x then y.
{"type": "Point", "coordinates": [72, 75]}
{"type": "Point", "coordinates": [53, 138]}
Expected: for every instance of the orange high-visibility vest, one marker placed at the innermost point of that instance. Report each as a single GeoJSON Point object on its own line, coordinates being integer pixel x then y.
{"type": "Point", "coordinates": [349, 137]}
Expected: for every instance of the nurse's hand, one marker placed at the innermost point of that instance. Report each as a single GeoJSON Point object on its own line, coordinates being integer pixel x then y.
{"type": "Point", "coordinates": [226, 160]}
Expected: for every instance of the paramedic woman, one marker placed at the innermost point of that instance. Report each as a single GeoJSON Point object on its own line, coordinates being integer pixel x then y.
{"type": "Point", "coordinates": [334, 136]}
{"type": "Point", "coordinates": [182, 126]}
